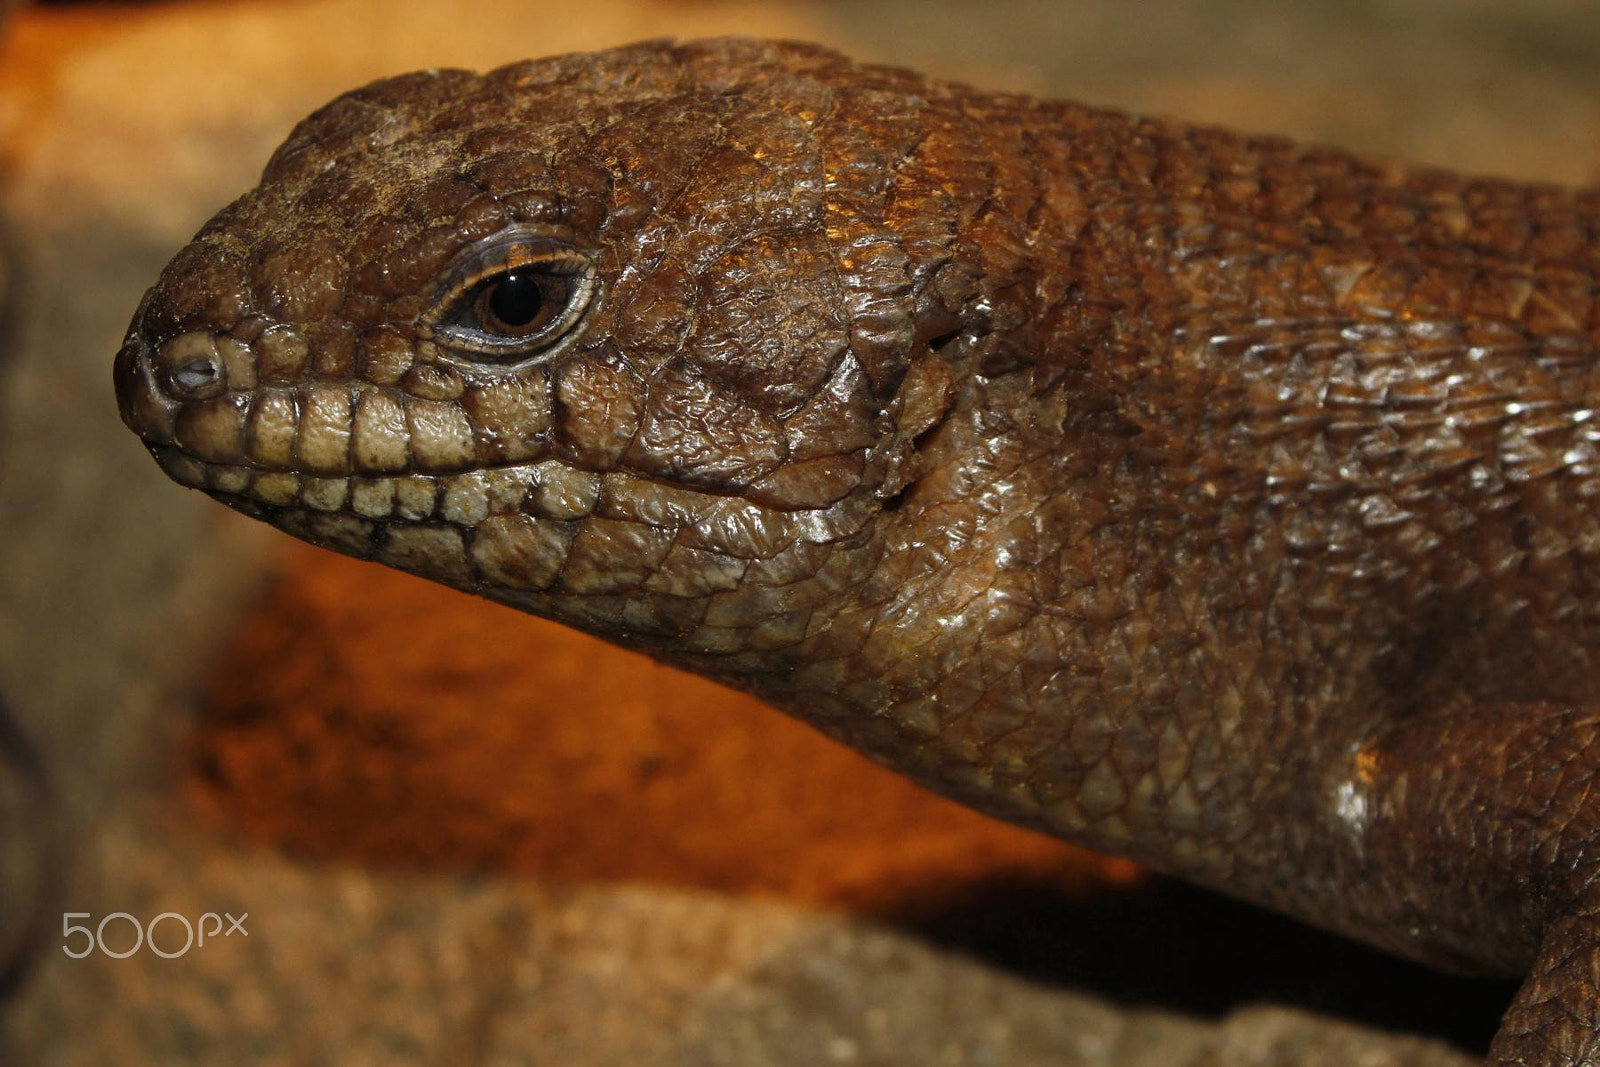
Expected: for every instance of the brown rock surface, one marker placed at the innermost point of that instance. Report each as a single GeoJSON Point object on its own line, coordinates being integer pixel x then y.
{"type": "Point", "coordinates": [341, 967]}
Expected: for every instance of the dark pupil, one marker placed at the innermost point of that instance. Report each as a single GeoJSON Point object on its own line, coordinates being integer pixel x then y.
{"type": "Point", "coordinates": [516, 299]}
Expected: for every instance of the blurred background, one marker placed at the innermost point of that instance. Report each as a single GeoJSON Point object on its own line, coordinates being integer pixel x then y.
{"type": "Point", "coordinates": [465, 836]}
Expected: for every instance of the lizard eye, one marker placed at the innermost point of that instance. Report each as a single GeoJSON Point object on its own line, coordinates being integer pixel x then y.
{"type": "Point", "coordinates": [509, 298]}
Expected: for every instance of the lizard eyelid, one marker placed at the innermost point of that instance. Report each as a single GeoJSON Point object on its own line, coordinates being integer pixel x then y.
{"type": "Point", "coordinates": [510, 297]}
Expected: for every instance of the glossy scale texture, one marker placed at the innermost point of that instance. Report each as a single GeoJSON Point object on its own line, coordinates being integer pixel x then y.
{"type": "Point", "coordinates": [1207, 499]}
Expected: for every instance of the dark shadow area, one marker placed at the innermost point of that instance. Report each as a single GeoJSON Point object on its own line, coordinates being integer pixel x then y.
{"type": "Point", "coordinates": [30, 855]}
{"type": "Point", "coordinates": [1170, 945]}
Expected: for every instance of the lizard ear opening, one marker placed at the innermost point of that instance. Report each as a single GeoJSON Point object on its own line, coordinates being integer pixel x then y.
{"type": "Point", "coordinates": [510, 298]}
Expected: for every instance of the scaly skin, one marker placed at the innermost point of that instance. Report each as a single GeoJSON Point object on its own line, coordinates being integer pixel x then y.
{"type": "Point", "coordinates": [1205, 499]}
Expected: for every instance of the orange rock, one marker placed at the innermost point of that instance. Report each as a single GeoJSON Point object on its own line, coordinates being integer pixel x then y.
{"type": "Point", "coordinates": [364, 715]}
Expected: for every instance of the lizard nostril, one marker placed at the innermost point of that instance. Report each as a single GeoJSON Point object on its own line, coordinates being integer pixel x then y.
{"type": "Point", "coordinates": [189, 367]}
{"type": "Point", "coordinates": [195, 374]}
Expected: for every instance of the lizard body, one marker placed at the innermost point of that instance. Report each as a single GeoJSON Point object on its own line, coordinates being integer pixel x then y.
{"type": "Point", "coordinates": [1211, 500]}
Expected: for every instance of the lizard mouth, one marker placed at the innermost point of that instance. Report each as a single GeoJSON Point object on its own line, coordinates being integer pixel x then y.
{"type": "Point", "coordinates": [542, 526]}
{"type": "Point", "coordinates": [546, 488]}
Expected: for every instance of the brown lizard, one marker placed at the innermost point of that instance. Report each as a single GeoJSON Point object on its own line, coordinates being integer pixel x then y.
{"type": "Point", "coordinates": [1206, 499]}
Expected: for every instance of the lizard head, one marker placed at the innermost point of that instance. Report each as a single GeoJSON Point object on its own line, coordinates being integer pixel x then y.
{"type": "Point", "coordinates": [629, 339]}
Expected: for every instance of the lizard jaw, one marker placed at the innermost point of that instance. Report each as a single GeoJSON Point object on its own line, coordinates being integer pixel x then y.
{"type": "Point", "coordinates": [542, 526]}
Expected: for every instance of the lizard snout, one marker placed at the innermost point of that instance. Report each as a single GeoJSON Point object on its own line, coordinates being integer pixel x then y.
{"type": "Point", "coordinates": [143, 408]}
{"type": "Point", "coordinates": [179, 392]}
